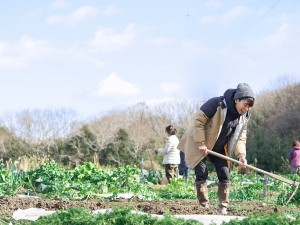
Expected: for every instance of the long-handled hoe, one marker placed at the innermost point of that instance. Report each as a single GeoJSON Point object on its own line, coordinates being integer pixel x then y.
{"type": "Point", "coordinates": [294, 183]}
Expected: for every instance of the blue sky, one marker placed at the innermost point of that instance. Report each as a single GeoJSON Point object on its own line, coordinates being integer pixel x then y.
{"type": "Point", "coordinates": [93, 56]}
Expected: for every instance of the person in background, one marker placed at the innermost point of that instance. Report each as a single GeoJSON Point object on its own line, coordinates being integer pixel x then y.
{"type": "Point", "coordinates": [171, 153]}
{"type": "Point", "coordinates": [184, 170]}
{"type": "Point", "coordinates": [295, 157]}
{"type": "Point", "coordinates": [221, 126]}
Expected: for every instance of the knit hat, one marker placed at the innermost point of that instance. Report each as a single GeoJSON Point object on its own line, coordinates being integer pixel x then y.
{"type": "Point", "coordinates": [243, 91]}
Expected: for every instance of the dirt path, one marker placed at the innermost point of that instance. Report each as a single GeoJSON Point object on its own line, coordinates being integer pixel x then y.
{"type": "Point", "coordinates": [175, 207]}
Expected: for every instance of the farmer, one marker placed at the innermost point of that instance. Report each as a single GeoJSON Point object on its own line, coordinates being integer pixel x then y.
{"type": "Point", "coordinates": [172, 158]}
{"type": "Point", "coordinates": [295, 157]}
{"type": "Point", "coordinates": [221, 126]}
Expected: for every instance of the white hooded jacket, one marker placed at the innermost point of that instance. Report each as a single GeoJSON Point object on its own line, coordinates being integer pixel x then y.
{"type": "Point", "coordinates": [172, 154]}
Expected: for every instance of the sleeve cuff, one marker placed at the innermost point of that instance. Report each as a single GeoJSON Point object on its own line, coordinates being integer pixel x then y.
{"type": "Point", "coordinates": [241, 155]}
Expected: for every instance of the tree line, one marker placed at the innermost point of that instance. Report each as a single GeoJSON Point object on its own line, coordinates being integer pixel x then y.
{"type": "Point", "coordinates": [128, 136]}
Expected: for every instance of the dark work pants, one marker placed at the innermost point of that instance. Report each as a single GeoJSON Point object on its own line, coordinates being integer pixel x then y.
{"type": "Point", "coordinates": [221, 167]}
{"type": "Point", "coordinates": [171, 171]}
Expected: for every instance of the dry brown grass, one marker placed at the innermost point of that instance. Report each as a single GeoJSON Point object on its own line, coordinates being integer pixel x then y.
{"type": "Point", "coordinates": [26, 163]}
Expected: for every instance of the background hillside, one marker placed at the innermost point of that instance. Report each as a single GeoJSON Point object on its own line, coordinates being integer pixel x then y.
{"type": "Point", "coordinates": [129, 136]}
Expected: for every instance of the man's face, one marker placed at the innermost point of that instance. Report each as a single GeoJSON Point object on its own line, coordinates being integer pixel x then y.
{"type": "Point", "coordinates": [242, 106]}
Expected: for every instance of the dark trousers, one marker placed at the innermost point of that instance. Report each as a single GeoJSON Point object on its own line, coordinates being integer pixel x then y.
{"type": "Point", "coordinates": [221, 166]}
{"type": "Point", "coordinates": [171, 171]}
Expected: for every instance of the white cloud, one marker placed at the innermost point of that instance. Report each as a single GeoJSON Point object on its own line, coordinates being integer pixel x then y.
{"type": "Point", "coordinates": [232, 15]}
{"type": "Point", "coordinates": [282, 36]}
{"type": "Point", "coordinates": [3, 46]}
{"type": "Point", "coordinates": [81, 14]}
{"type": "Point", "coordinates": [111, 11]}
{"type": "Point", "coordinates": [21, 53]}
{"type": "Point", "coordinates": [59, 4]}
{"type": "Point", "coordinates": [212, 4]}
{"type": "Point", "coordinates": [235, 13]}
{"type": "Point", "coordinates": [169, 87]}
{"type": "Point", "coordinates": [113, 86]}
{"type": "Point", "coordinates": [108, 40]}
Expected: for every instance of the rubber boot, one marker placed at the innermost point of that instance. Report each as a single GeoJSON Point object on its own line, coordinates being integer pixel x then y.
{"type": "Point", "coordinates": [223, 193]}
{"type": "Point", "coordinates": [202, 194]}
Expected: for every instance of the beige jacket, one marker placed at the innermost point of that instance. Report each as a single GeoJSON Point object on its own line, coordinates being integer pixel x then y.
{"type": "Point", "coordinates": [206, 131]}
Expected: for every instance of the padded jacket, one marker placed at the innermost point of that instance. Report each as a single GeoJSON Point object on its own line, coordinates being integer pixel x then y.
{"type": "Point", "coordinates": [205, 131]}
{"type": "Point", "coordinates": [172, 154]}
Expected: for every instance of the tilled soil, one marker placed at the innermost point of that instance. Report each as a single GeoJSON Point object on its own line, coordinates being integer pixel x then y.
{"type": "Point", "coordinates": [175, 207]}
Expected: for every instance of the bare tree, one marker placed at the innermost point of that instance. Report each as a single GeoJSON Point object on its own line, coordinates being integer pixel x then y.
{"type": "Point", "coordinates": [283, 82]}
{"type": "Point", "coordinates": [106, 127]}
{"type": "Point", "coordinates": [139, 128]}
{"type": "Point", "coordinates": [144, 124]}
{"type": "Point", "coordinates": [5, 137]}
{"type": "Point", "coordinates": [179, 113]}
{"type": "Point", "coordinates": [40, 128]}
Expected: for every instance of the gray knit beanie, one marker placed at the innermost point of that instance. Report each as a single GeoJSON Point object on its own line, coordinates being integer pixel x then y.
{"type": "Point", "coordinates": [243, 91]}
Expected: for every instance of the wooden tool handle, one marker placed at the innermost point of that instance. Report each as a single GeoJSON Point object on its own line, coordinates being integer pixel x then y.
{"type": "Point", "coordinates": [296, 184]}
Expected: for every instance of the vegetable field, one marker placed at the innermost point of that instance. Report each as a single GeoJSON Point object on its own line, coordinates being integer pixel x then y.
{"type": "Point", "coordinates": [92, 187]}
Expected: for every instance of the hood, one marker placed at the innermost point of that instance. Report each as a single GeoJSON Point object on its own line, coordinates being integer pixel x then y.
{"type": "Point", "coordinates": [229, 98]}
